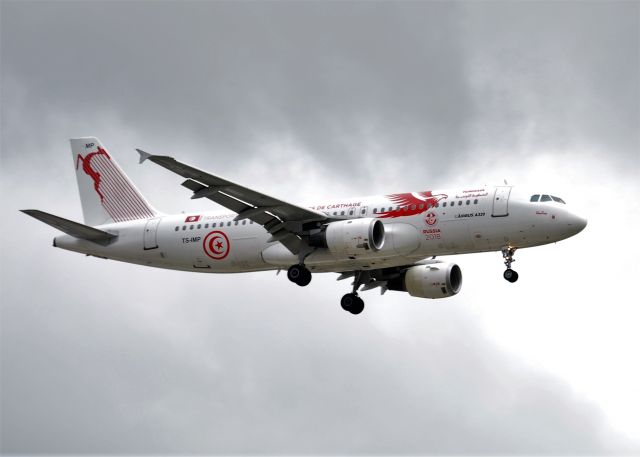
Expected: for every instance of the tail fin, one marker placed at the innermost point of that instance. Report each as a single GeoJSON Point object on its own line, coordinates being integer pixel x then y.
{"type": "Point", "coordinates": [106, 193]}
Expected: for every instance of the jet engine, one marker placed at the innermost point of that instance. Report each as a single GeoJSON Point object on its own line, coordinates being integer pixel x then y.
{"type": "Point", "coordinates": [351, 237]}
{"type": "Point", "coordinates": [434, 280]}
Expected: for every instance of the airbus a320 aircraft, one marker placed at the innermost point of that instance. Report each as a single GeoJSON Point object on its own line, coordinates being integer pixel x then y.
{"type": "Point", "coordinates": [388, 242]}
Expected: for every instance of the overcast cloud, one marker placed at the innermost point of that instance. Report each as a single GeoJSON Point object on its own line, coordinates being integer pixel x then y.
{"type": "Point", "coordinates": [303, 100]}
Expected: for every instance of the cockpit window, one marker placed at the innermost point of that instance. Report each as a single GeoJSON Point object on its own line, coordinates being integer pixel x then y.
{"type": "Point", "coordinates": [558, 199]}
{"type": "Point", "coordinates": [545, 198]}
{"type": "Point", "coordinates": [535, 198]}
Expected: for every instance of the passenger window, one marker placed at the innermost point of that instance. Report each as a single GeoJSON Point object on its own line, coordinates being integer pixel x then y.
{"type": "Point", "coordinates": [437, 205]}
{"type": "Point", "coordinates": [421, 206]}
{"type": "Point", "coordinates": [184, 227]}
{"type": "Point", "coordinates": [459, 202]}
{"type": "Point", "coordinates": [341, 213]}
{"type": "Point", "coordinates": [444, 205]}
{"type": "Point", "coordinates": [244, 222]}
{"type": "Point", "coordinates": [199, 226]}
{"type": "Point", "coordinates": [535, 198]}
{"type": "Point", "coordinates": [413, 207]}
{"type": "Point", "coordinates": [177, 228]}
{"type": "Point", "coordinates": [206, 226]}
{"type": "Point", "coordinates": [229, 224]}
{"type": "Point", "coordinates": [335, 213]}
{"type": "Point", "coordinates": [468, 202]}
{"type": "Point", "coordinates": [363, 211]}
{"type": "Point", "coordinates": [191, 227]}
{"type": "Point", "coordinates": [213, 225]}
{"type": "Point", "coordinates": [375, 210]}
{"type": "Point", "coordinates": [545, 198]}
{"type": "Point", "coordinates": [475, 202]}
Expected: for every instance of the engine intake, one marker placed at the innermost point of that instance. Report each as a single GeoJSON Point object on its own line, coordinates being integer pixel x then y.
{"type": "Point", "coordinates": [435, 280]}
{"type": "Point", "coordinates": [351, 237]}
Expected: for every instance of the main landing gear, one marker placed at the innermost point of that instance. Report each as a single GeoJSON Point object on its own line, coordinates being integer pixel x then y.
{"type": "Point", "coordinates": [351, 302]}
{"type": "Point", "coordinates": [299, 274]}
{"type": "Point", "coordinates": [507, 254]}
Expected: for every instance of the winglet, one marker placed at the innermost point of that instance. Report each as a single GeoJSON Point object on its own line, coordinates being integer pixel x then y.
{"type": "Point", "coordinates": [143, 155]}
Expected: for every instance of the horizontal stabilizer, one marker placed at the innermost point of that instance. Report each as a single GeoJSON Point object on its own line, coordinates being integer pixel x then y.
{"type": "Point", "coordinates": [84, 232]}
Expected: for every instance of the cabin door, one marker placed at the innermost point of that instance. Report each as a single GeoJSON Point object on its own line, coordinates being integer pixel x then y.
{"type": "Point", "coordinates": [151, 234]}
{"type": "Point", "coordinates": [501, 201]}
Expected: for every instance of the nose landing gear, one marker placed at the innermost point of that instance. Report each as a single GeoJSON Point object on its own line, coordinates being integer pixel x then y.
{"type": "Point", "coordinates": [507, 254]}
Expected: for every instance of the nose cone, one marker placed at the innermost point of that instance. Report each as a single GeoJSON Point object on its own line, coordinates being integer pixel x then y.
{"type": "Point", "coordinates": [576, 224]}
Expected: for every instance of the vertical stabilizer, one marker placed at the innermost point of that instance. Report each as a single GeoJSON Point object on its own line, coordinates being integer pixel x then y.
{"type": "Point", "coordinates": [106, 193]}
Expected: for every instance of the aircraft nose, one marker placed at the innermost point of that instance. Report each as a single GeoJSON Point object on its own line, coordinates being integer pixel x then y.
{"type": "Point", "coordinates": [576, 223]}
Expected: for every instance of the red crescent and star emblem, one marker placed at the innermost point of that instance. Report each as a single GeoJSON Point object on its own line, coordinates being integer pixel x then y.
{"type": "Point", "coordinates": [216, 245]}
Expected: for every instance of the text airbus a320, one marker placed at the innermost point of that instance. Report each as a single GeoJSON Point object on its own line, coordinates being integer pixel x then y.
{"type": "Point", "coordinates": [385, 242]}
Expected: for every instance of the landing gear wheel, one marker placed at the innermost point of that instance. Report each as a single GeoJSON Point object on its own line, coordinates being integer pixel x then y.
{"type": "Point", "coordinates": [510, 275]}
{"type": "Point", "coordinates": [299, 274]}
{"type": "Point", "coordinates": [359, 306]}
{"type": "Point", "coordinates": [507, 255]}
{"type": "Point", "coordinates": [305, 278]}
{"type": "Point", "coordinates": [352, 303]}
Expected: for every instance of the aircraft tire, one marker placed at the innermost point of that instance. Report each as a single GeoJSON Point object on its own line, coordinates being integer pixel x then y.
{"type": "Point", "coordinates": [510, 275]}
{"type": "Point", "coordinates": [352, 303]}
{"type": "Point", "coordinates": [358, 307]}
{"type": "Point", "coordinates": [299, 274]}
{"type": "Point", "coordinates": [305, 278]}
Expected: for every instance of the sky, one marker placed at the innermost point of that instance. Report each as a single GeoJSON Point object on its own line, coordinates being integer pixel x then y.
{"type": "Point", "coordinates": [303, 100]}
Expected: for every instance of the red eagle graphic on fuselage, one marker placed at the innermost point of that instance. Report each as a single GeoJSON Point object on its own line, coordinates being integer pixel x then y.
{"type": "Point", "coordinates": [411, 204]}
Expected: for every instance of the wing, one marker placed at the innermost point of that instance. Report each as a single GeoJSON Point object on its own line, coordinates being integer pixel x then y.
{"type": "Point", "coordinates": [285, 221]}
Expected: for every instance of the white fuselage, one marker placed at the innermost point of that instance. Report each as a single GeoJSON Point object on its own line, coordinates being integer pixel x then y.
{"type": "Point", "coordinates": [476, 219]}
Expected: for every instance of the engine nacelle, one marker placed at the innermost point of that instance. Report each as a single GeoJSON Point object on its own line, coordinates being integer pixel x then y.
{"type": "Point", "coordinates": [435, 280]}
{"type": "Point", "coordinates": [352, 237]}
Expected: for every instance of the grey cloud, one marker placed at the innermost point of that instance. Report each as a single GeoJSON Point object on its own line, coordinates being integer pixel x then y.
{"type": "Point", "coordinates": [329, 75]}
{"type": "Point", "coordinates": [181, 364]}
{"type": "Point", "coordinates": [560, 77]}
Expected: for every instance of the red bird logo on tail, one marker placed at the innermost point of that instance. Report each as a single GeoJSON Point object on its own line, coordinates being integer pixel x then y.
{"type": "Point", "coordinates": [93, 174]}
{"type": "Point", "coordinates": [410, 204]}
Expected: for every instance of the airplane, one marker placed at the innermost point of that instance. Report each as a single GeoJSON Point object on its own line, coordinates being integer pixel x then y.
{"type": "Point", "coordinates": [388, 242]}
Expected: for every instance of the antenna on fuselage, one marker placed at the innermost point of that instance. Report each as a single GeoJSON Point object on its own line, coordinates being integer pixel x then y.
{"type": "Point", "coordinates": [506, 183]}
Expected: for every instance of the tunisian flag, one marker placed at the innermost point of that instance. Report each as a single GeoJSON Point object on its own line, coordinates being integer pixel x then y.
{"type": "Point", "coordinates": [192, 218]}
